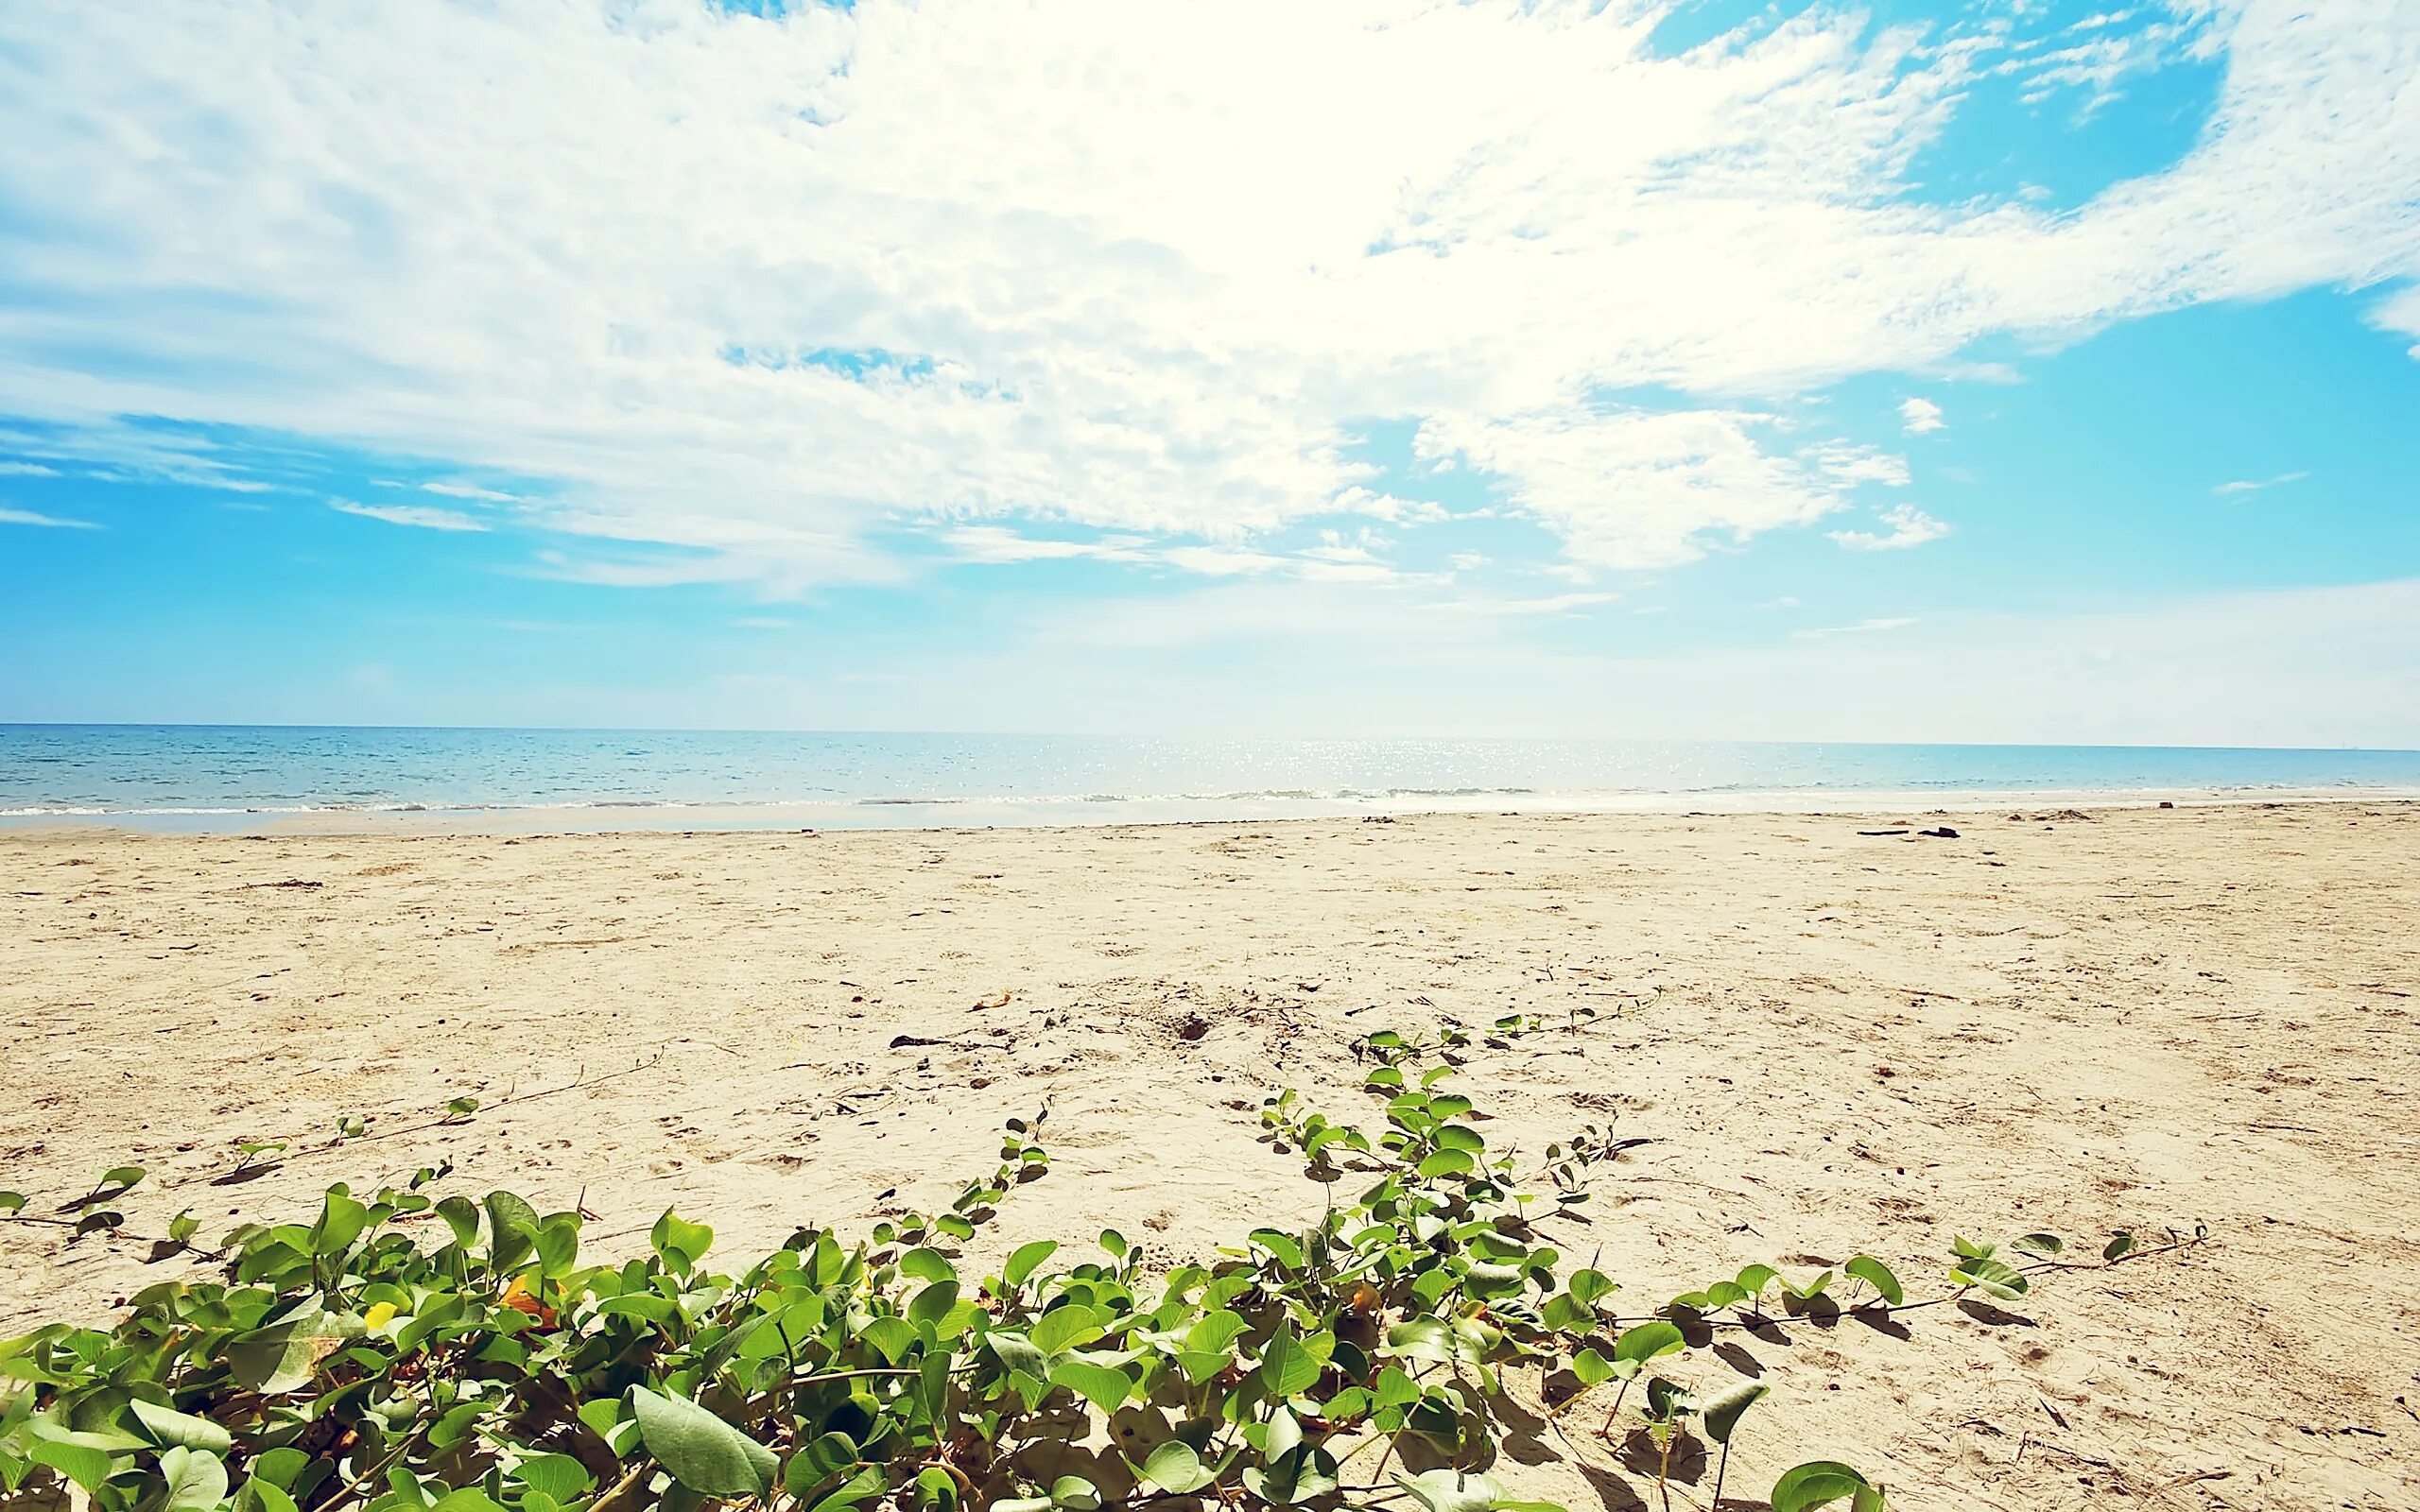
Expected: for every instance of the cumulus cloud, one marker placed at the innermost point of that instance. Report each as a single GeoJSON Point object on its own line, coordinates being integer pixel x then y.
{"type": "Point", "coordinates": [422, 517]}
{"type": "Point", "coordinates": [753, 288]}
{"type": "Point", "coordinates": [1908, 526]}
{"type": "Point", "coordinates": [1921, 416]}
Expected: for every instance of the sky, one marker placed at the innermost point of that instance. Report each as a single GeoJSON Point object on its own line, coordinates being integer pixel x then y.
{"type": "Point", "coordinates": [1997, 372]}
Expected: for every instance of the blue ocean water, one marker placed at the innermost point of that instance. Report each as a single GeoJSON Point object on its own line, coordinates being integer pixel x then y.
{"type": "Point", "coordinates": [222, 777]}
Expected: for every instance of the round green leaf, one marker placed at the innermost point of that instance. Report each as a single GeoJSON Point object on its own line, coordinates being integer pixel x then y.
{"type": "Point", "coordinates": [1819, 1482]}
{"type": "Point", "coordinates": [197, 1480]}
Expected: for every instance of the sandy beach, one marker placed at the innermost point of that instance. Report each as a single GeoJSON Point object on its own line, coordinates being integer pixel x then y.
{"type": "Point", "coordinates": [1829, 1042]}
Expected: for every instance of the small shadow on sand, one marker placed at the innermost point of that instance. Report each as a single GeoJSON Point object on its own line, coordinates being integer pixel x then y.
{"type": "Point", "coordinates": [1983, 1312]}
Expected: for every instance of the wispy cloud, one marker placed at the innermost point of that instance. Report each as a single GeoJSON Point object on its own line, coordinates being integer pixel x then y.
{"type": "Point", "coordinates": [26, 469]}
{"type": "Point", "coordinates": [2255, 485]}
{"type": "Point", "coordinates": [424, 517]}
{"type": "Point", "coordinates": [1860, 627]}
{"type": "Point", "coordinates": [1556, 604]}
{"type": "Point", "coordinates": [997, 543]}
{"type": "Point", "coordinates": [1908, 526]}
{"type": "Point", "coordinates": [1920, 417]}
{"type": "Point", "coordinates": [29, 517]}
{"type": "Point", "coordinates": [468, 490]}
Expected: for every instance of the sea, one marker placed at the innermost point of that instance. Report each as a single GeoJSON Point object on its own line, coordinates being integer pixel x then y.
{"type": "Point", "coordinates": [241, 778]}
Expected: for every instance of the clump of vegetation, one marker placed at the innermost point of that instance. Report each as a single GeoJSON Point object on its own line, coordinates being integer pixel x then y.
{"type": "Point", "coordinates": [410, 1353]}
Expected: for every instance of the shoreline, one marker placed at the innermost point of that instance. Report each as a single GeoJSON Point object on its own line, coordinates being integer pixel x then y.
{"type": "Point", "coordinates": [945, 816]}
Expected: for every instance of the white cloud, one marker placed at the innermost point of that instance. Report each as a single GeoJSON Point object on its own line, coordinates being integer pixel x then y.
{"type": "Point", "coordinates": [29, 517]}
{"type": "Point", "coordinates": [26, 469]}
{"type": "Point", "coordinates": [1909, 526]}
{"type": "Point", "coordinates": [468, 490]}
{"type": "Point", "coordinates": [1000, 545]}
{"type": "Point", "coordinates": [1638, 489]}
{"type": "Point", "coordinates": [2255, 485]}
{"type": "Point", "coordinates": [1921, 416]}
{"type": "Point", "coordinates": [1222, 561]}
{"type": "Point", "coordinates": [1860, 627]}
{"type": "Point", "coordinates": [420, 516]}
{"type": "Point", "coordinates": [1557, 604]}
{"type": "Point", "coordinates": [2400, 312]}
{"type": "Point", "coordinates": [760, 287]}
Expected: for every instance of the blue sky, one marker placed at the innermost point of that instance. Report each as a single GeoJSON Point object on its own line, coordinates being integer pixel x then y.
{"type": "Point", "coordinates": [2030, 372]}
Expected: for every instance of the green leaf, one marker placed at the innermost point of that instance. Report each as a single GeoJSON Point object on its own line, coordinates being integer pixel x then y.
{"type": "Point", "coordinates": [87, 1467]}
{"type": "Point", "coordinates": [2044, 1245]}
{"type": "Point", "coordinates": [1591, 1367]}
{"type": "Point", "coordinates": [936, 1489]}
{"type": "Point", "coordinates": [926, 1264]}
{"type": "Point", "coordinates": [1423, 1338]}
{"type": "Point", "coordinates": [280, 1467]}
{"type": "Point", "coordinates": [469, 1499]}
{"type": "Point", "coordinates": [170, 1428]}
{"type": "Point", "coordinates": [1722, 1411]}
{"type": "Point", "coordinates": [1810, 1290]}
{"type": "Point", "coordinates": [894, 1336]}
{"type": "Point", "coordinates": [1567, 1314]}
{"type": "Point", "coordinates": [559, 1476]}
{"type": "Point", "coordinates": [1819, 1482]}
{"type": "Point", "coordinates": [1451, 1490]}
{"type": "Point", "coordinates": [461, 1217]}
{"type": "Point", "coordinates": [704, 1452]}
{"type": "Point", "coordinates": [1105, 1388]}
{"type": "Point", "coordinates": [1025, 1259]}
{"type": "Point", "coordinates": [121, 1176]}
{"type": "Point", "coordinates": [1176, 1469]}
{"type": "Point", "coordinates": [866, 1483]}
{"type": "Point", "coordinates": [1288, 1248]}
{"type": "Point", "coordinates": [263, 1496]}
{"type": "Point", "coordinates": [680, 1243]}
{"type": "Point", "coordinates": [1074, 1493]}
{"type": "Point", "coordinates": [1755, 1279]}
{"type": "Point", "coordinates": [197, 1480]}
{"type": "Point", "coordinates": [2121, 1243]}
{"type": "Point", "coordinates": [933, 1304]}
{"type": "Point", "coordinates": [1016, 1353]}
{"type": "Point", "coordinates": [283, 1356]}
{"type": "Point", "coordinates": [1286, 1368]}
{"type": "Point", "coordinates": [512, 1230]}
{"type": "Point", "coordinates": [1066, 1326]}
{"type": "Point", "coordinates": [558, 1244]}
{"type": "Point", "coordinates": [1876, 1274]}
{"type": "Point", "coordinates": [1997, 1278]}
{"type": "Point", "coordinates": [824, 1457]}
{"type": "Point", "coordinates": [342, 1220]}
{"type": "Point", "coordinates": [1590, 1286]}
{"type": "Point", "coordinates": [1648, 1341]}
{"type": "Point", "coordinates": [11, 1202]}
{"type": "Point", "coordinates": [1448, 1162]}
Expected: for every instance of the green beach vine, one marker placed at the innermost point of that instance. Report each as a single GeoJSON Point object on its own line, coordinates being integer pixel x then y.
{"type": "Point", "coordinates": [407, 1352]}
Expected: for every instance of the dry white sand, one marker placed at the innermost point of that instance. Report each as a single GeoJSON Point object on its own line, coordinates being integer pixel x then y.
{"type": "Point", "coordinates": [1833, 1041]}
